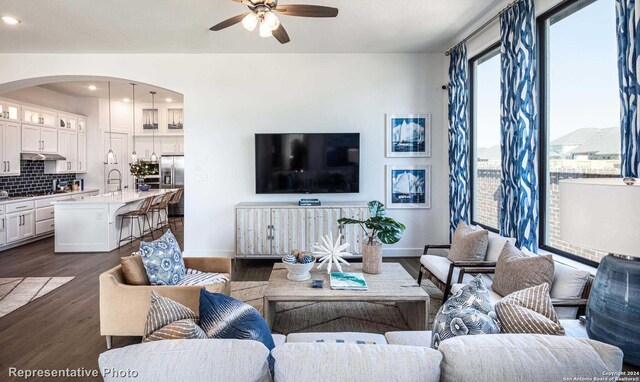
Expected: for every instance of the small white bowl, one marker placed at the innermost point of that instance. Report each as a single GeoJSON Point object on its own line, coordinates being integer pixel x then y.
{"type": "Point", "coordinates": [299, 272]}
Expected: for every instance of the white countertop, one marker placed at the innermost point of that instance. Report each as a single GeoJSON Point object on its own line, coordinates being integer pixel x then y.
{"type": "Point", "coordinates": [124, 197]}
{"type": "Point", "coordinates": [58, 195]}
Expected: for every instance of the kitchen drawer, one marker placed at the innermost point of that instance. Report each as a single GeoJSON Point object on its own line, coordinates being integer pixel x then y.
{"type": "Point", "coordinates": [44, 226]}
{"type": "Point", "coordinates": [47, 202]}
{"type": "Point", "coordinates": [19, 207]}
{"type": "Point", "coordinates": [44, 213]}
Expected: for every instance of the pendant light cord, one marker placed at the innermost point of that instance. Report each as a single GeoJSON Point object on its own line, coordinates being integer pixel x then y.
{"type": "Point", "coordinates": [110, 134]}
{"type": "Point", "coordinates": [133, 101]}
{"type": "Point", "coordinates": [153, 120]}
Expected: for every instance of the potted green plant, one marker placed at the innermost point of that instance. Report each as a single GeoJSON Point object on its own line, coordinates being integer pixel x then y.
{"type": "Point", "coordinates": [140, 171]}
{"type": "Point", "coordinates": [379, 228]}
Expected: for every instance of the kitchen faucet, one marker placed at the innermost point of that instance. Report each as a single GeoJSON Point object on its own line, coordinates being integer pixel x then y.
{"type": "Point", "coordinates": [110, 180]}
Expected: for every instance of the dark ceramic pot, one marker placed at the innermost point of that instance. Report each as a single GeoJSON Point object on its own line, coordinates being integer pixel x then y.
{"type": "Point", "coordinates": [613, 310]}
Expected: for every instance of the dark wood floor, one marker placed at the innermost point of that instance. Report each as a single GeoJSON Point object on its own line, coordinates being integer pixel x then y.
{"type": "Point", "coordinates": [61, 329]}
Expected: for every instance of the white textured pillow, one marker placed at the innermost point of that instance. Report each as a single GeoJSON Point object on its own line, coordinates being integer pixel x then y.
{"type": "Point", "coordinates": [321, 362]}
{"type": "Point", "coordinates": [496, 243]}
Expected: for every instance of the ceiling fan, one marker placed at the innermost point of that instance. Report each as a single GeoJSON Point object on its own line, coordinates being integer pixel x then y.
{"type": "Point", "coordinates": [263, 12]}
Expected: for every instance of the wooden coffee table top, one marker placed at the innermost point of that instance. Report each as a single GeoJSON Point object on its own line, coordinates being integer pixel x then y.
{"type": "Point", "coordinates": [393, 284]}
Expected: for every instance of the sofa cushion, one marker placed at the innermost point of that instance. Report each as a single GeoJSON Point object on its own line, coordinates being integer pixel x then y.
{"type": "Point", "coordinates": [526, 357]}
{"type": "Point", "coordinates": [170, 320]}
{"type": "Point", "coordinates": [439, 267]}
{"type": "Point", "coordinates": [320, 362]}
{"type": "Point", "coordinates": [529, 311]}
{"type": "Point", "coordinates": [188, 361]}
{"type": "Point", "coordinates": [468, 312]}
{"type": "Point", "coordinates": [198, 278]}
{"type": "Point", "coordinates": [347, 337]}
{"type": "Point", "coordinates": [516, 271]}
{"type": "Point", "coordinates": [163, 260]}
{"type": "Point", "coordinates": [279, 339]}
{"type": "Point", "coordinates": [133, 270]}
{"type": "Point", "coordinates": [225, 317]}
{"type": "Point", "coordinates": [468, 244]}
{"type": "Point", "coordinates": [496, 243]}
{"type": "Point", "coordinates": [412, 338]}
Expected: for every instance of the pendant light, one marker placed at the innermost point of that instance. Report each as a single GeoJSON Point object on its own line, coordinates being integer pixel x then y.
{"type": "Point", "coordinates": [134, 155]}
{"type": "Point", "coordinates": [110, 158]}
{"type": "Point", "coordinates": [154, 157]}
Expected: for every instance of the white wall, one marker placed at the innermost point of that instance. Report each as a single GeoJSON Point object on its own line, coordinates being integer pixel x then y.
{"type": "Point", "coordinates": [45, 98]}
{"type": "Point", "coordinates": [228, 98]}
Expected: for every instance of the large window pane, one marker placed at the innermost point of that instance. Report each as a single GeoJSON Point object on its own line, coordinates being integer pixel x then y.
{"type": "Point", "coordinates": [486, 132]}
{"type": "Point", "coordinates": [582, 125]}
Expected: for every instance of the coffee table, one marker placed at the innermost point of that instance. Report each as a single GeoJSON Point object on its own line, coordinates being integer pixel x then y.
{"type": "Point", "coordinates": [394, 284]}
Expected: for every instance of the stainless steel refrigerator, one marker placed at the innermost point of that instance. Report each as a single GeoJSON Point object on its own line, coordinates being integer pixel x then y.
{"type": "Point", "coordinates": [172, 176]}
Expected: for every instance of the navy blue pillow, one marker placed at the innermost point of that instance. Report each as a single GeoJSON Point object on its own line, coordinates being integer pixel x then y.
{"type": "Point", "coordinates": [246, 324]}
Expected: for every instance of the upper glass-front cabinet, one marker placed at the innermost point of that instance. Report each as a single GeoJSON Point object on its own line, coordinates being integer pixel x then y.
{"type": "Point", "coordinates": [9, 111]}
{"type": "Point", "coordinates": [39, 117]}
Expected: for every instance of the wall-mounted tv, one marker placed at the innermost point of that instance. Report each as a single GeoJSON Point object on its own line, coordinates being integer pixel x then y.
{"type": "Point", "coordinates": [307, 163]}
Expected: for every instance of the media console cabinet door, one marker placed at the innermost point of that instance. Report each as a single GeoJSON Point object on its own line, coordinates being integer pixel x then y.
{"type": "Point", "coordinates": [353, 233]}
{"type": "Point", "coordinates": [288, 230]}
{"type": "Point", "coordinates": [319, 222]}
{"type": "Point", "coordinates": [252, 231]}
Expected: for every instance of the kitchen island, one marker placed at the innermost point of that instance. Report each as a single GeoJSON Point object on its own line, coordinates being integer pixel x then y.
{"type": "Point", "coordinates": [90, 224]}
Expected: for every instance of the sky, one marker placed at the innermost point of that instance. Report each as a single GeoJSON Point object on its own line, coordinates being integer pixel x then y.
{"type": "Point", "coordinates": [583, 77]}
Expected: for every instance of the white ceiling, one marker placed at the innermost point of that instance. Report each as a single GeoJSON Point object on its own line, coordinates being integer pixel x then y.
{"type": "Point", "coordinates": [119, 91]}
{"type": "Point", "coordinates": [179, 26]}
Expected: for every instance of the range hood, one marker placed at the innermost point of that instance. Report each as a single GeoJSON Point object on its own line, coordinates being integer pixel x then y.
{"type": "Point", "coordinates": [39, 156]}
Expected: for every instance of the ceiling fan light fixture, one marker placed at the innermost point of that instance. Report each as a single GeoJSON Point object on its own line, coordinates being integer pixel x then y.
{"type": "Point", "coordinates": [265, 29]}
{"type": "Point", "coordinates": [250, 22]}
{"type": "Point", "coordinates": [271, 20]}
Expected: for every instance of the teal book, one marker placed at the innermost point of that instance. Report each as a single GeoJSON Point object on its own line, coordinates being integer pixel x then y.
{"type": "Point", "coordinates": [348, 281]}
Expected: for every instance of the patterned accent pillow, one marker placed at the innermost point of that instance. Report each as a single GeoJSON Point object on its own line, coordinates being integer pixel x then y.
{"type": "Point", "coordinates": [163, 260]}
{"type": "Point", "coordinates": [467, 312]}
{"type": "Point", "coordinates": [529, 311]}
{"type": "Point", "coordinates": [199, 278]}
{"type": "Point", "coordinates": [225, 317]}
{"type": "Point", "coordinates": [516, 271]}
{"type": "Point", "coordinates": [170, 320]}
{"type": "Point", "coordinates": [468, 244]}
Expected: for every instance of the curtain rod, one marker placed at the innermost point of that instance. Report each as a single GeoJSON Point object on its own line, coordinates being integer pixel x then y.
{"type": "Point", "coordinates": [483, 26]}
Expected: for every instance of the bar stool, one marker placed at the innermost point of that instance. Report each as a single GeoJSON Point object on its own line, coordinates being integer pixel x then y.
{"type": "Point", "coordinates": [173, 206]}
{"type": "Point", "coordinates": [159, 208]}
{"type": "Point", "coordinates": [140, 214]}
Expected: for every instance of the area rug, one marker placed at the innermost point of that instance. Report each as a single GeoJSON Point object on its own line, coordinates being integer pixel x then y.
{"type": "Point", "coordinates": [307, 317]}
{"type": "Point", "coordinates": [19, 291]}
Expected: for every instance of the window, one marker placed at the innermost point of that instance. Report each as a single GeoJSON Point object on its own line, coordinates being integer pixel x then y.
{"type": "Point", "coordinates": [485, 135]}
{"type": "Point", "coordinates": [579, 108]}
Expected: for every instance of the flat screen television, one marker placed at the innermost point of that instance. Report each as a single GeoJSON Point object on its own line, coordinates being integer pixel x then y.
{"type": "Point", "coordinates": [307, 163]}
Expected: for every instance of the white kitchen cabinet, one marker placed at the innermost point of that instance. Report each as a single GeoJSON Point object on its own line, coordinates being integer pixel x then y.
{"type": "Point", "coordinates": [39, 117]}
{"type": "Point", "coordinates": [40, 139]}
{"type": "Point", "coordinates": [68, 148]}
{"type": "Point", "coordinates": [9, 148]}
{"type": "Point", "coordinates": [274, 229]}
{"type": "Point", "coordinates": [20, 225]}
{"type": "Point", "coordinates": [82, 153]}
{"type": "Point", "coordinates": [82, 124]}
{"type": "Point", "coordinates": [172, 145]}
{"type": "Point", "coordinates": [66, 121]}
{"type": "Point", "coordinates": [9, 111]}
{"type": "Point", "coordinates": [3, 227]}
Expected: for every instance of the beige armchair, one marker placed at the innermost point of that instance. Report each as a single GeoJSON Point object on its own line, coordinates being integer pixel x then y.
{"type": "Point", "coordinates": [123, 308]}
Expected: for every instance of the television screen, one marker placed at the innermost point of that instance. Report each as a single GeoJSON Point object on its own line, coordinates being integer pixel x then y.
{"type": "Point", "coordinates": [307, 163]}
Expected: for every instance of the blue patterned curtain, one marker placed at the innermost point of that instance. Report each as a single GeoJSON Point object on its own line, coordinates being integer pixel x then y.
{"type": "Point", "coordinates": [627, 14]}
{"type": "Point", "coordinates": [519, 125]}
{"type": "Point", "coordinates": [458, 136]}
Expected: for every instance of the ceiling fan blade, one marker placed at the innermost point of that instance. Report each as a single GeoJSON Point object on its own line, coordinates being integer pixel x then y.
{"type": "Point", "coordinates": [306, 10]}
{"type": "Point", "coordinates": [245, 2]}
{"type": "Point", "coordinates": [281, 35]}
{"type": "Point", "coordinates": [229, 22]}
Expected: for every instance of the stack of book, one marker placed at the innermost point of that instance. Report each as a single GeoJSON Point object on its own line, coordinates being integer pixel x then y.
{"type": "Point", "coordinates": [348, 281]}
{"type": "Point", "coordinates": [309, 202]}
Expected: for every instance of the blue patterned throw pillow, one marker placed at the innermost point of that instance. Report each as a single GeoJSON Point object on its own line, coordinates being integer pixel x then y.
{"type": "Point", "coordinates": [467, 312]}
{"type": "Point", "coordinates": [225, 317]}
{"type": "Point", "coordinates": [163, 260]}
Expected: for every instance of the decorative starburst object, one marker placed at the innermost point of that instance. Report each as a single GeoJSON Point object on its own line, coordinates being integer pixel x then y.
{"type": "Point", "coordinates": [331, 253]}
